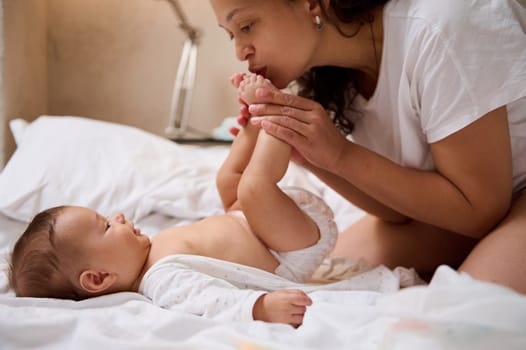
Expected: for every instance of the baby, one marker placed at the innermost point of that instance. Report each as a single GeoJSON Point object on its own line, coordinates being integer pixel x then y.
{"type": "Point", "coordinates": [207, 267]}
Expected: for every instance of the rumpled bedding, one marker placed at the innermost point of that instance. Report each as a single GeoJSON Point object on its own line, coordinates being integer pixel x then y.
{"type": "Point", "coordinates": [452, 312]}
{"type": "Point", "coordinates": [163, 184]}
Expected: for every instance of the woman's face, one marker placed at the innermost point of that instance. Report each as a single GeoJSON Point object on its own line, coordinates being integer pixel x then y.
{"type": "Point", "coordinates": [277, 38]}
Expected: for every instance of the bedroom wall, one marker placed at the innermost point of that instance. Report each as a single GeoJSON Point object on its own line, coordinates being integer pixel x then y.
{"type": "Point", "coordinates": [24, 73]}
{"type": "Point", "coordinates": [112, 60]}
{"type": "Point", "coordinates": [117, 60]}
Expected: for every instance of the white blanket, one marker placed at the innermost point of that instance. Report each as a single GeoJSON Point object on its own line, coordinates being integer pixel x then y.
{"type": "Point", "coordinates": [453, 312]}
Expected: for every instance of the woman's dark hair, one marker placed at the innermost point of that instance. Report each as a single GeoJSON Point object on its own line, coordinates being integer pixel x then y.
{"type": "Point", "coordinates": [333, 87]}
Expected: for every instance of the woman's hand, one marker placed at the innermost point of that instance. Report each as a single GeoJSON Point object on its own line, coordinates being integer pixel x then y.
{"type": "Point", "coordinates": [302, 123]}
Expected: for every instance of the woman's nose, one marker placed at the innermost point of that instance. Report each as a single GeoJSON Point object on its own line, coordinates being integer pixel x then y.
{"type": "Point", "coordinates": [244, 51]}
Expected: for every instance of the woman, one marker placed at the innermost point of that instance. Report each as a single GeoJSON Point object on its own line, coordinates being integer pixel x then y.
{"type": "Point", "coordinates": [431, 95]}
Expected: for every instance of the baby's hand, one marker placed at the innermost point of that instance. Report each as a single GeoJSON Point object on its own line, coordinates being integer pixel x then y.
{"type": "Point", "coordinates": [248, 86]}
{"type": "Point", "coordinates": [282, 306]}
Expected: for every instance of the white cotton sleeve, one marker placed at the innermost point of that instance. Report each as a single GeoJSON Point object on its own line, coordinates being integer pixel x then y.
{"type": "Point", "coordinates": [175, 286]}
{"type": "Point", "coordinates": [469, 65]}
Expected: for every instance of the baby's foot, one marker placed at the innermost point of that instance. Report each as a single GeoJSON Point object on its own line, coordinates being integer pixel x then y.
{"type": "Point", "coordinates": [237, 78]}
{"type": "Point", "coordinates": [249, 85]}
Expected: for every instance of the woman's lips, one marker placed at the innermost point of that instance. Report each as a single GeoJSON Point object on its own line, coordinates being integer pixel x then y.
{"type": "Point", "coordinates": [259, 71]}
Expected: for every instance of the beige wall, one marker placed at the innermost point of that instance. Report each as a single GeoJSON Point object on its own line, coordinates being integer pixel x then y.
{"type": "Point", "coordinates": [24, 73]}
{"type": "Point", "coordinates": [112, 60]}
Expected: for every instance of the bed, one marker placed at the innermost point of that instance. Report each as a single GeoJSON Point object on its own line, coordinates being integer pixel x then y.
{"type": "Point", "coordinates": [156, 182]}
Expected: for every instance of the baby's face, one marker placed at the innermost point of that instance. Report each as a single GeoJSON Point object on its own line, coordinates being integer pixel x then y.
{"type": "Point", "coordinates": [110, 244]}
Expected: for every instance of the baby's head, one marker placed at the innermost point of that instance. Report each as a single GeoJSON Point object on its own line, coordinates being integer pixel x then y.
{"type": "Point", "coordinates": [74, 253]}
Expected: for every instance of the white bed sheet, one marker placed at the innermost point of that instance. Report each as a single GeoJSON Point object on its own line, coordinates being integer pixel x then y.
{"type": "Point", "coordinates": [452, 312]}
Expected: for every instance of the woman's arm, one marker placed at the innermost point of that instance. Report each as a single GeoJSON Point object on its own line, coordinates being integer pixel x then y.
{"type": "Point", "coordinates": [468, 193]}
{"type": "Point", "coordinates": [301, 126]}
{"type": "Point", "coordinates": [359, 198]}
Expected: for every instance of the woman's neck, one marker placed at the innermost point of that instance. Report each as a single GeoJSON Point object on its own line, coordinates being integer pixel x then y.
{"type": "Point", "coordinates": [362, 51]}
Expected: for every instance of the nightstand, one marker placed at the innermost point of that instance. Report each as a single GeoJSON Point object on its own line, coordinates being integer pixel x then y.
{"type": "Point", "coordinates": [206, 141]}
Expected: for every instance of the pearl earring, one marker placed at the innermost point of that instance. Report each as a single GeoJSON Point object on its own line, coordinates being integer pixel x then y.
{"type": "Point", "coordinates": [319, 24]}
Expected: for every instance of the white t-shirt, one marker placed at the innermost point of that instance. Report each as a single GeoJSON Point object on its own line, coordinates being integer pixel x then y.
{"type": "Point", "coordinates": [445, 63]}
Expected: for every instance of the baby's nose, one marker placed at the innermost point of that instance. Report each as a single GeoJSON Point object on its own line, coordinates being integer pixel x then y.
{"type": "Point", "coordinates": [120, 218]}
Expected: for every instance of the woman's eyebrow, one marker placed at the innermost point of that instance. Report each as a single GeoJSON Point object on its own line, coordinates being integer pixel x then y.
{"type": "Point", "coordinates": [231, 14]}
{"type": "Point", "coordinates": [234, 12]}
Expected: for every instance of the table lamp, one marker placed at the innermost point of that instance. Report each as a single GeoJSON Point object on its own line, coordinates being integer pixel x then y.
{"type": "Point", "coordinates": [185, 76]}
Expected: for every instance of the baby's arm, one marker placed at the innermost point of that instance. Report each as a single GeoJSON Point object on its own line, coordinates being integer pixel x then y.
{"type": "Point", "coordinates": [177, 287]}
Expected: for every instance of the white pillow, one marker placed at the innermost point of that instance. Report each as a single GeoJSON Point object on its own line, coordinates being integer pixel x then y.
{"type": "Point", "coordinates": [107, 167]}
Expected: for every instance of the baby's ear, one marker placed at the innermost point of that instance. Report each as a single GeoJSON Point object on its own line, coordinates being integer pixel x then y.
{"type": "Point", "coordinates": [94, 282]}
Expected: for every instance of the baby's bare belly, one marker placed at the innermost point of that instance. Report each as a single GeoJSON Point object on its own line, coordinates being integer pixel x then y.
{"type": "Point", "coordinates": [224, 237]}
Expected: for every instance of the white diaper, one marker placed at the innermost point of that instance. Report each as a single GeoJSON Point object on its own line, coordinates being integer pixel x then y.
{"type": "Point", "coordinates": [299, 265]}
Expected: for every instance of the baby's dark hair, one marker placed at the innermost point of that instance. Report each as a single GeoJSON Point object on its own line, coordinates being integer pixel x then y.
{"type": "Point", "coordinates": [35, 268]}
{"type": "Point", "coordinates": [333, 87]}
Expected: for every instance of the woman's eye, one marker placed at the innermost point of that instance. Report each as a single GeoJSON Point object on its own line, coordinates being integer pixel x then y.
{"type": "Point", "coordinates": [246, 28]}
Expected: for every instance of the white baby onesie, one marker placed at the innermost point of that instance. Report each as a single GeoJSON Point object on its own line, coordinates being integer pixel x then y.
{"type": "Point", "coordinates": [224, 290]}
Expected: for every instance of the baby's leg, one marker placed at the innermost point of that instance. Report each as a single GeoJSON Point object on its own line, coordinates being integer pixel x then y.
{"type": "Point", "coordinates": [236, 79]}
{"type": "Point", "coordinates": [229, 175]}
{"type": "Point", "coordinates": [272, 215]}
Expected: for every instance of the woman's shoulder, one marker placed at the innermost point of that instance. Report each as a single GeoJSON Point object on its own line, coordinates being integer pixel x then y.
{"type": "Point", "coordinates": [454, 18]}
{"type": "Point", "coordinates": [430, 10]}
